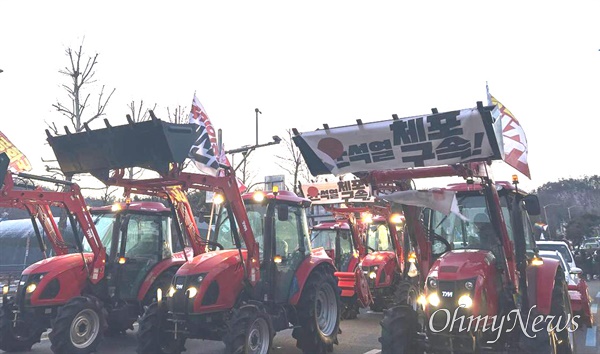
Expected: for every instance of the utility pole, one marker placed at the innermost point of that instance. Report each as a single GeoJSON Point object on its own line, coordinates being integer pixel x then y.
{"type": "Point", "coordinates": [257, 111]}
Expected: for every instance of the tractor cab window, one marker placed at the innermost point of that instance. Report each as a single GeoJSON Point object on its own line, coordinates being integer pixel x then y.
{"type": "Point", "coordinates": [104, 226]}
{"type": "Point", "coordinates": [291, 232]}
{"type": "Point", "coordinates": [148, 236]}
{"type": "Point", "coordinates": [379, 238]}
{"type": "Point", "coordinates": [223, 231]}
{"type": "Point", "coordinates": [475, 231]}
{"type": "Point", "coordinates": [345, 241]}
{"type": "Point", "coordinates": [323, 238]}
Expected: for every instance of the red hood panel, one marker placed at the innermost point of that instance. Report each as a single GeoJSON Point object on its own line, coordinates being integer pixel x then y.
{"type": "Point", "coordinates": [461, 264]}
{"type": "Point", "coordinates": [211, 260]}
{"type": "Point", "coordinates": [63, 262]}
{"type": "Point", "coordinates": [378, 258]}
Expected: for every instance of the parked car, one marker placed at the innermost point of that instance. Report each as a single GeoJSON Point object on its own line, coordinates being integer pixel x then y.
{"type": "Point", "coordinates": [560, 246]}
{"type": "Point", "coordinates": [578, 288]}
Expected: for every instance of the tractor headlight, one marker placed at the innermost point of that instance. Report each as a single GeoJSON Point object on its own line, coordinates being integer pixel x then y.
{"type": "Point", "coordinates": [372, 275]}
{"type": "Point", "coordinates": [432, 282]}
{"type": "Point", "coordinates": [465, 301]}
{"type": "Point", "coordinates": [192, 292]}
{"type": "Point", "coordinates": [433, 299]}
{"type": "Point", "coordinates": [469, 285]}
{"type": "Point", "coordinates": [171, 291]}
{"type": "Point", "coordinates": [159, 295]}
{"type": "Point", "coordinates": [31, 288]}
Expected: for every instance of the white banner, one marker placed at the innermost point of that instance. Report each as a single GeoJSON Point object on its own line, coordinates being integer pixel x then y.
{"type": "Point", "coordinates": [354, 191]}
{"type": "Point", "coordinates": [429, 140]}
{"type": "Point", "coordinates": [437, 199]}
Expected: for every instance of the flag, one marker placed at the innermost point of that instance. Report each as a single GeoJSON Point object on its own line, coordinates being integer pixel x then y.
{"type": "Point", "coordinates": [205, 151]}
{"type": "Point", "coordinates": [513, 137]}
{"type": "Point", "coordinates": [18, 161]}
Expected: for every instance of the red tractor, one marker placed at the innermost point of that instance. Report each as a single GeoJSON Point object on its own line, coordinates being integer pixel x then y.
{"type": "Point", "coordinates": [342, 242]}
{"type": "Point", "coordinates": [259, 274]}
{"type": "Point", "coordinates": [126, 255]}
{"type": "Point", "coordinates": [478, 259]}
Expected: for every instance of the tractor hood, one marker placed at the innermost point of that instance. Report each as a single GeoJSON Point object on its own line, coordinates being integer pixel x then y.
{"type": "Point", "coordinates": [211, 261]}
{"type": "Point", "coordinates": [378, 258]}
{"type": "Point", "coordinates": [462, 264]}
{"type": "Point", "coordinates": [58, 264]}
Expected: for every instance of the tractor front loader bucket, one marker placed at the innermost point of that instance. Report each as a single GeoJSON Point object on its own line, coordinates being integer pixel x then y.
{"type": "Point", "coordinates": [4, 162]}
{"type": "Point", "coordinates": [150, 144]}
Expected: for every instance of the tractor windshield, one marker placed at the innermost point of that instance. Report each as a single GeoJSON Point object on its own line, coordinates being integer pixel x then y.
{"type": "Point", "coordinates": [326, 238]}
{"type": "Point", "coordinates": [379, 238]}
{"type": "Point", "coordinates": [475, 233]}
{"type": "Point", "coordinates": [144, 232]}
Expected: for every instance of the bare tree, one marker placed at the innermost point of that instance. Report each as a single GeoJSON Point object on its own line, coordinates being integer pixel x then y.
{"type": "Point", "coordinates": [178, 115]}
{"type": "Point", "coordinates": [292, 162]}
{"type": "Point", "coordinates": [140, 114]}
{"type": "Point", "coordinates": [81, 76]}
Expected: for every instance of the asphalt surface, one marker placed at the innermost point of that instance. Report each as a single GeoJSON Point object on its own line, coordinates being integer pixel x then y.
{"type": "Point", "coordinates": [358, 336]}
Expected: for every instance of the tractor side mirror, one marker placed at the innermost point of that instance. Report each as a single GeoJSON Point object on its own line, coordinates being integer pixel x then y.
{"type": "Point", "coordinates": [532, 205]}
{"type": "Point", "coordinates": [282, 212]}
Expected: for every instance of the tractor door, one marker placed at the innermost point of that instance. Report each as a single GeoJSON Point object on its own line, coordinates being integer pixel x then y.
{"type": "Point", "coordinates": [145, 241]}
{"type": "Point", "coordinates": [291, 246]}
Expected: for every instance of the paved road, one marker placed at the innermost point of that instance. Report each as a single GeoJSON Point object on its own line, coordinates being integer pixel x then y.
{"type": "Point", "coordinates": [358, 337]}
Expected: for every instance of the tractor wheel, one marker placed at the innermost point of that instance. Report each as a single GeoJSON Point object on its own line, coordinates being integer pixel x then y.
{"type": "Point", "coordinates": [561, 308]}
{"type": "Point", "coordinates": [553, 342]}
{"type": "Point", "coordinates": [350, 309]}
{"type": "Point", "coordinates": [399, 331]}
{"type": "Point", "coordinates": [406, 293]}
{"type": "Point", "coordinates": [152, 336]}
{"type": "Point", "coordinates": [377, 305]}
{"type": "Point", "coordinates": [318, 312]}
{"type": "Point", "coordinates": [250, 331]}
{"type": "Point", "coordinates": [79, 326]}
{"type": "Point", "coordinates": [20, 338]}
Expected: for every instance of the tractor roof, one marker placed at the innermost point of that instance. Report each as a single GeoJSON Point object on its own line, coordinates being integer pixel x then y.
{"type": "Point", "coordinates": [281, 195]}
{"type": "Point", "coordinates": [332, 225]}
{"type": "Point", "coordinates": [149, 207]}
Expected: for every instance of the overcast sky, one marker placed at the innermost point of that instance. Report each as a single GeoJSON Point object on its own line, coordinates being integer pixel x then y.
{"type": "Point", "coordinates": [315, 62]}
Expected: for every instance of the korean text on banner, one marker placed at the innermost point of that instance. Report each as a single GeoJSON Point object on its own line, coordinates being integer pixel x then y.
{"type": "Point", "coordinates": [431, 140]}
{"type": "Point", "coordinates": [18, 161]}
{"type": "Point", "coordinates": [338, 192]}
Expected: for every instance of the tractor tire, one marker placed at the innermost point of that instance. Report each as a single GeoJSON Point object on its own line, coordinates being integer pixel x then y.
{"type": "Point", "coordinates": [406, 293]}
{"type": "Point", "coordinates": [561, 342]}
{"type": "Point", "coordinates": [79, 326]}
{"type": "Point", "coordinates": [350, 309]}
{"type": "Point", "coordinates": [152, 337]}
{"type": "Point", "coordinates": [250, 331]}
{"type": "Point", "coordinates": [319, 311]}
{"type": "Point", "coordinates": [16, 342]}
{"type": "Point", "coordinates": [399, 331]}
{"type": "Point", "coordinates": [377, 305]}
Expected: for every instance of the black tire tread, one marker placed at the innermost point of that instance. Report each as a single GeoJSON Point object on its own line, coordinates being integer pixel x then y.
{"type": "Point", "coordinates": [241, 319]}
{"type": "Point", "coordinates": [308, 338]}
{"type": "Point", "coordinates": [399, 331]}
{"type": "Point", "coordinates": [8, 342]}
{"type": "Point", "coordinates": [60, 334]}
{"type": "Point", "coordinates": [149, 334]}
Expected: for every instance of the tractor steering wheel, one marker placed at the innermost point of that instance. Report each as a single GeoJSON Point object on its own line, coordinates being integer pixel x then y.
{"type": "Point", "coordinates": [214, 243]}
{"type": "Point", "coordinates": [439, 245]}
{"type": "Point", "coordinates": [371, 249]}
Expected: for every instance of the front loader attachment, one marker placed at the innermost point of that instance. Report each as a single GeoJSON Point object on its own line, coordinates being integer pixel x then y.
{"type": "Point", "coordinates": [4, 161]}
{"type": "Point", "coordinates": [150, 144]}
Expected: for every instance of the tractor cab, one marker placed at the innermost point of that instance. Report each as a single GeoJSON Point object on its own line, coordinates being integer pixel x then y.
{"type": "Point", "coordinates": [137, 236]}
{"type": "Point", "coordinates": [336, 239]}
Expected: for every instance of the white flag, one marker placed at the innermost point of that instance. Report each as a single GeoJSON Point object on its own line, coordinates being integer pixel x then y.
{"type": "Point", "coordinates": [204, 152]}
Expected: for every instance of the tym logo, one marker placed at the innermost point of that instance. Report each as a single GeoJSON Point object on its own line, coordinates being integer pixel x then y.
{"type": "Point", "coordinates": [446, 293]}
